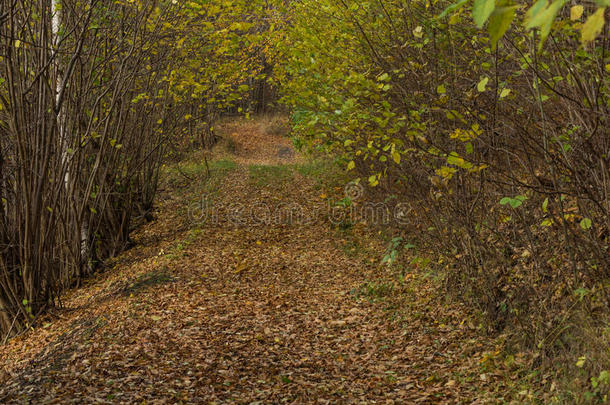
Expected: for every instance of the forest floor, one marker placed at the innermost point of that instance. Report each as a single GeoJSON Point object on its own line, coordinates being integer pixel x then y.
{"type": "Point", "coordinates": [225, 305]}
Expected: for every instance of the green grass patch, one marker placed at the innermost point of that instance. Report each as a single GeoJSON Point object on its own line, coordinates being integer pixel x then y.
{"type": "Point", "coordinates": [263, 175]}
{"type": "Point", "coordinates": [197, 169]}
{"type": "Point", "coordinates": [222, 166]}
{"type": "Point", "coordinates": [190, 179]}
{"type": "Point", "coordinates": [327, 173]}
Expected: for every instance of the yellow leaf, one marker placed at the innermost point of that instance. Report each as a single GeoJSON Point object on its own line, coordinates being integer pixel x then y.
{"type": "Point", "coordinates": [241, 267]}
{"type": "Point", "coordinates": [576, 12]}
{"type": "Point", "coordinates": [446, 172]}
{"type": "Point", "coordinates": [482, 84]}
{"type": "Point", "coordinates": [396, 157]}
{"type": "Point", "coordinates": [593, 26]}
{"type": "Point", "coordinates": [351, 165]}
{"type": "Point", "coordinates": [418, 32]}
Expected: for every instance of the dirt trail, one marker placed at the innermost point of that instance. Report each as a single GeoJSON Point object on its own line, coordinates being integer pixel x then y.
{"type": "Point", "coordinates": [223, 311]}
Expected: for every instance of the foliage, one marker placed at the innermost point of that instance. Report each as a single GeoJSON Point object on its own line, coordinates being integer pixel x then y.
{"type": "Point", "coordinates": [498, 139]}
{"type": "Point", "coordinates": [488, 118]}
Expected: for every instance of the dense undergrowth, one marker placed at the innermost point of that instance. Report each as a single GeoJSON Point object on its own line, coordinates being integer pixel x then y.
{"type": "Point", "coordinates": [498, 145]}
{"type": "Point", "coordinates": [94, 96]}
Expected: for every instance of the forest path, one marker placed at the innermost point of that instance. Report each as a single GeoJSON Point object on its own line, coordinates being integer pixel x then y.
{"type": "Point", "coordinates": [225, 305]}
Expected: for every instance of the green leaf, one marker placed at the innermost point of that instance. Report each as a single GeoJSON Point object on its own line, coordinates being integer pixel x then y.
{"type": "Point", "coordinates": [481, 11]}
{"type": "Point", "coordinates": [452, 8]}
{"type": "Point", "coordinates": [504, 93]}
{"type": "Point", "coordinates": [505, 200]}
{"type": "Point", "coordinates": [585, 223]}
{"type": "Point", "coordinates": [482, 84]}
{"type": "Point", "coordinates": [543, 18]}
{"type": "Point", "coordinates": [351, 165]}
{"type": "Point", "coordinates": [581, 292]}
{"type": "Point", "coordinates": [513, 202]}
{"type": "Point", "coordinates": [441, 89]}
{"type": "Point", "coordinates": [533, 12]}
{"type": "Point", "coordinates": [517, 201]}
{"type": "Point", "coordinates": [593, 26]}
{"type": "Point", "coordinates": [604, 376]}
{"type": "Point", "coordinates": [455, 159]}
{"type": "Point", "coordinates": [499, 22]}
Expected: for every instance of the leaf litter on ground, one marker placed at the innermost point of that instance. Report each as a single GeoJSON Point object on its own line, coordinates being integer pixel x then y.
{"type": "Point", "coordinates": [223, 313]}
